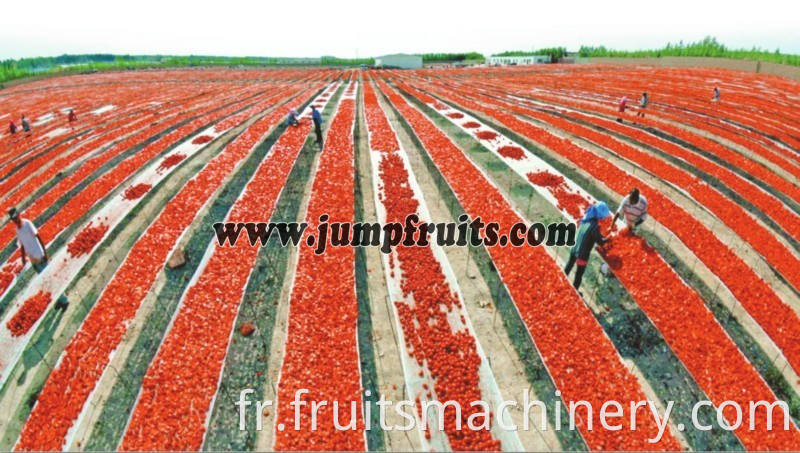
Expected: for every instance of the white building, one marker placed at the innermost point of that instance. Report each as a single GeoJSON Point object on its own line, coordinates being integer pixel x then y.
{"type": "Point", "coordinates": [399, 60]}
{"type": "Point", "coordinates": [518, 61]}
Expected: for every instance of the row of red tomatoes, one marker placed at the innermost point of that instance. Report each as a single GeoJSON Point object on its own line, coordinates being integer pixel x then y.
{"type": "Point", "coordinates": [9, 271]}
{"type": "Point", "coordinates": [703, 117]}
{"type": "Point", "coordinates": [698, 340]}
{"type": "Point", "coordinates": [103, 185]}
{"type": "Point", "coordinates": [102, 135]}
{"type": "Point", "coordinates": [449, 354]}
{"type": "Point", "coordinates": [678, 312]}
{"type": "Point", "coordinates": [78, 205]}
{"type": "Point", "coordinates": [128, 96]}
{"type": "Point", "coordinates": [15, 151]}
{"type": "Point", "coordinates": [723, 153]}
{"type": "Point", "coordinates": [692, 332]}
{"type": "Point", "coordinates": [689, 328]}
{"type": "Point", "coordinates": [182, 380]}
{"type": "Point", "coordinates": [129, 116]}
{"type": "Point", "coordinates": [580, 358]}
{"type": "Point", "coordinates": [762, 240]}
{"type": "Point", "coordinates": [85, 358]}
{"type": "Point", "coordinates": [774, 208]}
{"type": "Point", "coordinates": [777, 319]}
{"type": "Point", "coordinates": [52, 160]}
{"type": "Point", "coordinates": [59, 153]}
{"type": "Point", "coordinates": [321, 349]}
{"type": "Point", "coordinates": [764, 112]}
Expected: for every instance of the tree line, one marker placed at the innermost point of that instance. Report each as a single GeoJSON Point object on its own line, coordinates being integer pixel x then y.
{"type": "Point", "coordinates": [69, 64]}
{"type": "Point", "coordinates": [707, 47]}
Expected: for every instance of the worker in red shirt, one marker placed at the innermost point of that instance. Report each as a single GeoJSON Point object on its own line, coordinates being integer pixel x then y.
{"type": "Point", "coordinates": [72, 118]}
{"type": "Point", "coordinates": [623, 104]}
{"type": "Point", "coordinates": [12, 128]}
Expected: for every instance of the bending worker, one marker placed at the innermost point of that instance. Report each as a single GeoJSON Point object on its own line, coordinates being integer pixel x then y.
{"type": "Point", "coordinates": [634, 208]}
{"type": "Point", "coordinates": [588, 235]}
{"type": "Point", "coordinates": [30, 244]}
{"type": "Point", "coordinates": [292, 120]}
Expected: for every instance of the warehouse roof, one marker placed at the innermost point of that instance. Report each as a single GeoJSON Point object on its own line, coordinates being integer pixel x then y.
{"type": "Point", "coordinates": [399, 55]}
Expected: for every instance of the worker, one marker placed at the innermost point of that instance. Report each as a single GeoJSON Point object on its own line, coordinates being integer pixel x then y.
{"type": "Point", "coordinates": [633, 208]}
{"type": "Point", "coordinates": [72, 118]}
{"type": "Point", "coordinates": [642, 105]}
{"type": "Point", "coordinates": [317, 117]}
{"type": "Point", "coordinates": [30, 243]}
{"type": "Point", "coordinates": [293, 118]}
{"type": "Point", "coordinates": [715, 98]}
{"type": "Point", "coordinates": [623, 104]}
{"type": "Point", "coordinates": [26, 126]}
{"type": "Point", "coordinates": [588, 235]}
{"type": "Point", "coordinates": [12, 128]}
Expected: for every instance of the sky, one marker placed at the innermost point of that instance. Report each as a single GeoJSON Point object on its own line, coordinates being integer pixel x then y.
{"type": "Point", "coordinates": [369, 28]}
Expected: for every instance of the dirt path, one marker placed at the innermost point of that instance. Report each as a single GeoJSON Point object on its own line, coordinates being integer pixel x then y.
{"type": "Point", "coordinates": [493, 337]}
{"type": "Point", "coordinates": [25, 380]}
{"type": "Point", "coordinates": [708, 135]}
{"type": "Point", "coordinates": [535, 207]}
{"type": "Point", "coordinates": [739, 149]}
{"type": "Point", "coordinates": [104, 387]}
{"type": "Point", "coordinates": [391, 380]}
{"type": "Point", "coordinates": [681, 251]}
{"type": "Point", "coordinates": [682, 199]}
{"type": "Point", "coordinates": [265, 437]}
{"type": "Point", "coordinates": [95, 148]}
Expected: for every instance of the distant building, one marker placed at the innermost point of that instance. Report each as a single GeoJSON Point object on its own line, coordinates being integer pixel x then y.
{"type": "Point", "coordinates": [399, 60]}
{"type": "Point", "coordinates": [453, 64]}
{"type": "Point", "coordinates": [518, 61]}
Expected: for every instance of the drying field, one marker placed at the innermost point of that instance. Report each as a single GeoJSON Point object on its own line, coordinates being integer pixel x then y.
{"type": "Point", "coordinates": [141, 333]}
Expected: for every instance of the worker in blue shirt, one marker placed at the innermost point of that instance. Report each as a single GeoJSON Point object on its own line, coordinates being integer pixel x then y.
{"type": "Point", "coordinates": [588, 235]}
{"type": "Point", "coordinates": [317, 117]}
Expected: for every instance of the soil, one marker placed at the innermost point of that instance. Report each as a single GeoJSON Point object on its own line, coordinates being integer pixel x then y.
{"type": "Point", "coordinates": [508, 367]}
{"type": "Point", "coordinates": [96, 148]}
{"type": "Point", "coordinates": [739, 149]}
{"type": "Point", "coordinates": [493, 337]}
{"type": "Point", "coordinates": [106, 383]}
{"type": "Point", "coordinates": [391, 381]}
{"type": "Point", "coordinates": [724, 233]}
{"type": "Point", "coordinates": [727, 235]}
{"type": "Point", "coordinates": [264, 441]}
{"type": "Point", "coordinates": [595, 291]}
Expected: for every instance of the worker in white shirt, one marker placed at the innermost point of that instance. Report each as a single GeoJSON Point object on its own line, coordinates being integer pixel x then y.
{"type": "Point", "coordinates": [30, 244]}
{"type": "Point", "coordinates": [633, 208]}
